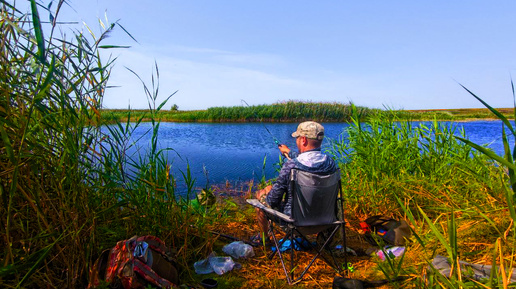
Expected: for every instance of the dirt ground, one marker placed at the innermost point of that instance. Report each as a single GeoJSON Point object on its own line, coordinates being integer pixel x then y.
{"type": "Point", "coordinates": [262, 272]}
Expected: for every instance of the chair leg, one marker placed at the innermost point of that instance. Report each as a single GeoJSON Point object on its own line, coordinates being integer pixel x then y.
{"type": "Point", "coordinates": [343, 228]}
{"type": "Point", "coordinates": [292, 256]}
{"type": "Point", "coordinates": [340, 200]}
{"type": "Point", "coordinates": [289, 274]}
{"type": "Point", "coordinates": [319, 253]}
{"type": "Point", "coordinates": [277, 243]}
{"type": "Point", "coordinates": [278, 246]}
{"type": "Point", "coordinates": [336, 264]}
{"type": "Point", "coordinates": [271, 232]}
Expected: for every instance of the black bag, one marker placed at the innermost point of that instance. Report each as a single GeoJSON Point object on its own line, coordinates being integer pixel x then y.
{"type": "Point", "coordinates": [346, 283]}
{"type": "Point", "coordinates": [389, 230]}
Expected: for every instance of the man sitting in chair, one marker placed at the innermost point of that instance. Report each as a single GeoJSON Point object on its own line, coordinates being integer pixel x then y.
{"type": "Point", "coordinates": [309, 136]}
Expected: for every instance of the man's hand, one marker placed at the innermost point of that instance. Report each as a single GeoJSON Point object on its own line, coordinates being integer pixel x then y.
{"type": "Point", "coordinates": [284, 149]}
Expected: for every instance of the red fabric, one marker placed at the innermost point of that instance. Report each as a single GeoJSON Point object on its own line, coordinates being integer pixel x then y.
{"type": "Point", "coordinates": [365, 227]}
{"type": "Point", "coordinates": [148, 274]}
{"type": "Point", "coordinates": [123, 265]}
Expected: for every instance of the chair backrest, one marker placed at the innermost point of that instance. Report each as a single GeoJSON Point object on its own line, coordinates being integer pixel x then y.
{"type": "Point", "coordinates": [314, 197]}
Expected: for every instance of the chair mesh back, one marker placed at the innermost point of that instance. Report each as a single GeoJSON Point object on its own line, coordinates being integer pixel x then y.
{"type": "Point", "coordinates": [314, 198]}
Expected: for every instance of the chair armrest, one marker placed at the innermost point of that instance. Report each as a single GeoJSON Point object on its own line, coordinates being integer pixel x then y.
{"type": "Point", "coordinates": [257, 204]}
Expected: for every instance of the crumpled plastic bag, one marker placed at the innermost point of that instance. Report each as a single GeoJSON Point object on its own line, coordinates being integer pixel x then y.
{"type": "Point", "coordinates": [474, 271]}
{"type": "Point", "coordinates": [214, 263]}
{"type": "Point", "coordinates": [239, 249]}
{"type": "Point", "coordinates": [392, 252]}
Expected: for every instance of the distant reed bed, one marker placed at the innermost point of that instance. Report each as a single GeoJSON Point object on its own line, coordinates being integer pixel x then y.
{"type": "Point", "coordinates": [296, 111]}
{"type": "Point", "coordinates": [289, 111]}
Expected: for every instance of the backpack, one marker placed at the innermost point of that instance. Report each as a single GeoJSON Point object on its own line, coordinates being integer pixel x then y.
{"type": "Point", "coordinates": [136, 263]}
{"type": "Point", "coordinates": [389, 230]}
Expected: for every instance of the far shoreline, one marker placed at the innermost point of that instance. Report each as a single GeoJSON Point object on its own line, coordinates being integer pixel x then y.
{"type": "Point", "coordinates": [266, 114]}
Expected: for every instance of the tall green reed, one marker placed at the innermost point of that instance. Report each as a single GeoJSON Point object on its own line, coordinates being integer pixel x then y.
{"type": "Point", "coordinates": [424, 173]}
{"type": "Point", "coordinates": [509, 180]}
{"type": "Point", "coordinates": [384, 158]}
{"type": "Point", "coordinates": [51, 93]}
{"type": "Point", "coordinates": [491, 225]}
{"type": "Point", "coordinates": [69, 186]}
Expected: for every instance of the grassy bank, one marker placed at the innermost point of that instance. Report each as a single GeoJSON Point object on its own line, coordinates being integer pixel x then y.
{"type": "Point", "coordinates": [70, 190]}
{"type": "Point", "coordinates": [459, 114]}
{"type": "Point", "coordinates": [292, 111]}
{"type": "Point", "coordinates": [456, 199]}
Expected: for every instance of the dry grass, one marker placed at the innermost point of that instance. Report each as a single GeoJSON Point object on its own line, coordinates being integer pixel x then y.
{"type": "Point", "coordinates": [474, 241]}
{"type": "Point", "coordinates": [260, 272]}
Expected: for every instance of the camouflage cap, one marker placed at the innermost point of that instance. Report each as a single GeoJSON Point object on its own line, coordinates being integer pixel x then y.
{"type": "Point", "coordinates": [310, 129]}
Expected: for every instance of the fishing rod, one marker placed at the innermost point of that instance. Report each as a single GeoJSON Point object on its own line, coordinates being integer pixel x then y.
{"type": "Point", "coordinates": [276, 141]}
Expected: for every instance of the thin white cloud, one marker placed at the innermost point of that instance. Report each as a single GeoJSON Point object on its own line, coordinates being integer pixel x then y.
{"type": "Point", "coordinates": [222, 57]}
{"type": "Point", "coordinates": [222, 78]}
{"type": "Point", "coordinates": [200, 84]}
{"type": "Point", "coordinates": [181, 48]}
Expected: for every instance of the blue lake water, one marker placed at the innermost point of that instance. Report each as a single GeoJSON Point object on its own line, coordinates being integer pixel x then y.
{"type": "Point", "coordinates": [235, 152]}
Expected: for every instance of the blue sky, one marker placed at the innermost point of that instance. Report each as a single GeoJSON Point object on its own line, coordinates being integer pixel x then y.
{"type": "Point", "coordinates": [396, 54]}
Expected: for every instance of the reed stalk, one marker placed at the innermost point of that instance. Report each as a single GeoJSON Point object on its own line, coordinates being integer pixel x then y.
{"type": "Point", "coordinates": [71, 187]}
{"type": "Point", "coordinates": [440, 182]}
{"type": "Point", "coordinates": [384, 159]}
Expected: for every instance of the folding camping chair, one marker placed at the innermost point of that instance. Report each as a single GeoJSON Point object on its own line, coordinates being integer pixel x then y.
{"type": "Point", "coordinates": [316, 204]}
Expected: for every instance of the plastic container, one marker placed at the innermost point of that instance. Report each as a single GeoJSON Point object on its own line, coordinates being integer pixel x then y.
{"type": "Point", "coordinates": [213, 263]}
